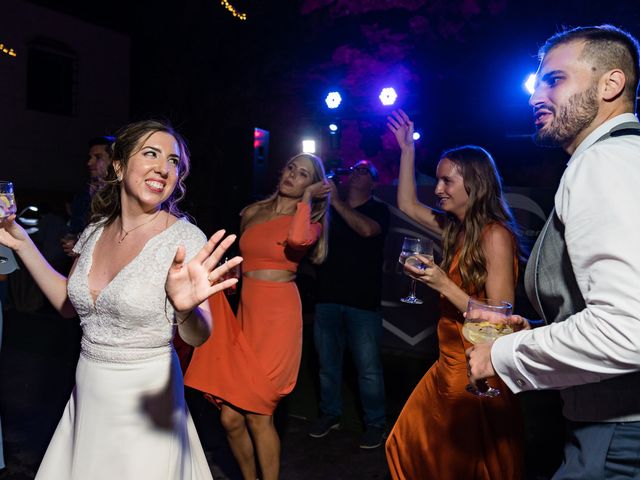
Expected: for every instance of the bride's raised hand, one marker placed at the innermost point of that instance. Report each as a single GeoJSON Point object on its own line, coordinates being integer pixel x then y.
{"type": "Point", "coordinates": [190, 284]}
{"type": "Point", "coordinates": [402, 128]}
{"type": "Point", "coordinates": [12, 235]}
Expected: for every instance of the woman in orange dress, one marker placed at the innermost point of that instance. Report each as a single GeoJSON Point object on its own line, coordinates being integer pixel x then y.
{"type": "Point", "coordinates": [444, 432]}
{"type": "Point", "coordinates": [251, 363]}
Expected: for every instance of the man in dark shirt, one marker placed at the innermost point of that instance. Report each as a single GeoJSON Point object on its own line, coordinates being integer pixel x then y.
{"type": "Point", "coordinates": [80, 209]}
{"type": "Point", "coordinates": [348, 308]}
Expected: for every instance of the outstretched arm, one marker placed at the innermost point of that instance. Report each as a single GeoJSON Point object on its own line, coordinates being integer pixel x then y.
{"type": "Point", "coordinates": [189, 285]}
{"type": "Point", "coordinates": [602, 236]}
{"type": "Point", "coordinates": [52, 284]}
{"type": "Point", "coordinates": [402, 127]}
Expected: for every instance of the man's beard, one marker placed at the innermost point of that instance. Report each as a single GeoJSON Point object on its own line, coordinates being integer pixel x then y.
{"type": "Point", "coordinates": [570, 119]}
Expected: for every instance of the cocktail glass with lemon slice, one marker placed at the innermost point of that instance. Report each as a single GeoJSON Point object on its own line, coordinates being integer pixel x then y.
{"type": "Point", "coordinates": [7, 200]}
{"type": "Point", "coordinates": [485, 321]}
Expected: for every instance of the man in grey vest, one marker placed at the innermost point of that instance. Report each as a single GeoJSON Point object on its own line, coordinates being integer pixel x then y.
{"type": "Point", "coordinates": [583, 276]}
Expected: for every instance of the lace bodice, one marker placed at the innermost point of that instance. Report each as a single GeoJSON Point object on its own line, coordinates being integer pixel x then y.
{"type": "Point", "coordinates": [128, 320]}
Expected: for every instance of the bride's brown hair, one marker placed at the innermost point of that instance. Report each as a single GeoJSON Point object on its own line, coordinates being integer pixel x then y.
{"type": "Point", "coordinates": [105, 204]}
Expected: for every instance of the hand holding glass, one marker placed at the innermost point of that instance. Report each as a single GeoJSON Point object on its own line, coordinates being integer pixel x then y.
{"type": "Point", "coordinates": [411, 247]}
{"type": "Point", "coordinates": [486, 320]}
{"type": "Point", "coordinates": [7, 200]}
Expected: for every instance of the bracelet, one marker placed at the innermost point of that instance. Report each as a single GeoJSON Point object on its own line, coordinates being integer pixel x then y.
{"type": "Point", "coordinates": [175, 316]}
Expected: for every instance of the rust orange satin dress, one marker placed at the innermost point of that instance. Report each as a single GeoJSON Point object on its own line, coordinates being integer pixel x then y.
{"type": "Point", "coordinates": [444, 432]}
{"type": "Point", "coordinates": [252, 362]}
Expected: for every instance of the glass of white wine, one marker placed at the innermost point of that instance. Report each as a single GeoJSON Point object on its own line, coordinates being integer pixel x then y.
{"type": "Point", "coordinates": [410, 248]}
{"type": "Point", "coordinates": [486, 320]}
{"type": "Point", "coordinates": [7, 200]}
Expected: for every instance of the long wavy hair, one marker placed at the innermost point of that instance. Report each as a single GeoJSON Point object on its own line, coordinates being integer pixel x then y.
{"type": "Point", "coordinates": [486, 205]}
{"type": "Point", "coordinates": [319, 208]}
{"type": "Point", "coordinates": [106, 203]}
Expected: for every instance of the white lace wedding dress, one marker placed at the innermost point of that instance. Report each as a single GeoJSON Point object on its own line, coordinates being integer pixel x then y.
{"type": "Point", "coordinates": [127, 418]}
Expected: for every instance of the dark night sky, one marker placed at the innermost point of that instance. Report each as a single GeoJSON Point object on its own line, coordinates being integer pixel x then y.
{"type": "Point", "coordinates": [458, 64]}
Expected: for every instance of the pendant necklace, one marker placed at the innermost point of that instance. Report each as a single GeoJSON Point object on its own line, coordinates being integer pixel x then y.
{"type": "Point", "coordinates": [127, 232]}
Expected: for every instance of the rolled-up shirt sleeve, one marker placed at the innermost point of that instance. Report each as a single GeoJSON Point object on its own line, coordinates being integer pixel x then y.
{"type": "Point", "coordinates": [598, 202]}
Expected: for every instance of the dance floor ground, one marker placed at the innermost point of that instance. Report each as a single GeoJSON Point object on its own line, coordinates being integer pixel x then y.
{"type": "Point", "coordinates": [37, 363]}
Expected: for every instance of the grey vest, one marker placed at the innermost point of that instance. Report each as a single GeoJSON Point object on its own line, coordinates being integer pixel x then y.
{"type": "Point", "coordinates": [7, 260]}
{"type": "Point", "coordinates": [553, 290]}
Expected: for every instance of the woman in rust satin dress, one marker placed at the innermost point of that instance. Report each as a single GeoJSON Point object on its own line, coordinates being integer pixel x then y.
{"type": "Point", "coordinates": [249, 364]}
{"type": "Point", "coordinates": [444, 432]}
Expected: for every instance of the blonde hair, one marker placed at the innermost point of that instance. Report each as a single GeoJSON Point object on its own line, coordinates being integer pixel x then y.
{"type": "Point", "coordinates": [319, 208]}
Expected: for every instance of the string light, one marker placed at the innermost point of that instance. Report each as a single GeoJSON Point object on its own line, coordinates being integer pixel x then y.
{"type": "Point", "coordinates": [8, 51]}
{"type": "Point", "coordinates": [234, 12]}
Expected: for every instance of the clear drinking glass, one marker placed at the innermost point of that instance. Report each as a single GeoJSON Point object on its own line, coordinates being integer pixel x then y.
{"type": "Point", "coordinates": [7, 200]}
{"type": "Point", "coordinates": [410, 247]}
{"type": "Point", "coordinates": [485, 321]}
{"type": "Point", "coordinates": [232, 273]}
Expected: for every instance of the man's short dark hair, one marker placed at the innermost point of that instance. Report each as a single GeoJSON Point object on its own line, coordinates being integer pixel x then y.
{"type": "Point", "coordinates": [105, 140]}
{"type": "Point", "coordinates": [607, 47]}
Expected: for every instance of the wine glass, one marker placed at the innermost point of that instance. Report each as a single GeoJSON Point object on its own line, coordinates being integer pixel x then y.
{"type": "Point", "coordinates": [7, 200]}
{"type": "Point", "coordinates": [410, 247]}
{"type": "Point", "coordinates": [485, 321]}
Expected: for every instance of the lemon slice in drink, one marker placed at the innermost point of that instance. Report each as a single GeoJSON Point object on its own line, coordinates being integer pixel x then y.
{"type": "Point", "coordinates": [415, 262]}
{"type": "Point", "coordinates": [5, 206]}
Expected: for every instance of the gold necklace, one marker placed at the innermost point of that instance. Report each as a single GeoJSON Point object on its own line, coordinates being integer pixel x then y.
{"type": "Point", "coordinates": [127, 232]}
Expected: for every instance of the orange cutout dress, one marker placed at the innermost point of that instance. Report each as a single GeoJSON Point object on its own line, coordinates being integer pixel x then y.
{"type": "Point", "coordinates": [252, 362]}
{"type": "Point", "coordinates": [446, 433]}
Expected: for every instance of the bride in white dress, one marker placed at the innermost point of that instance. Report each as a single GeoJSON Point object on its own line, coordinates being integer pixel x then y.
{"type": "Point", "coordinates": [141, 269]}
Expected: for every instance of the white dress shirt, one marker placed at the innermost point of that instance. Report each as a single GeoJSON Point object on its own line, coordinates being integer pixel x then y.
{"type": "Point", "coordinates": [598, 201]}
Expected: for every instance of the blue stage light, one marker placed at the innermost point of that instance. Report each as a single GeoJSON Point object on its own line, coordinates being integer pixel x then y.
{"type": "Point", "coordinates": [416, 135]}
{"type": "Point", "coordinates": [388, 96]}
{"type": "Point", "coordinates": [333, 127]}
{"type": "Point", "coordinates": [333, 100]}
{"type": "Point", "coordinates": [529, 85]}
